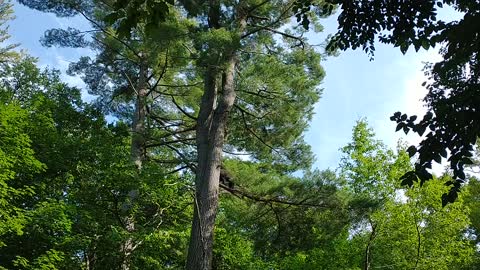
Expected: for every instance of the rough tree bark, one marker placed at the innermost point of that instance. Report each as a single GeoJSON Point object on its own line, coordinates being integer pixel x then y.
{"type": "Point", "coordinates": [210, 134]}
{"type": "Point", "coordinates": [138, 121]}
{"type": "Point", "coordinates": [137, 153]}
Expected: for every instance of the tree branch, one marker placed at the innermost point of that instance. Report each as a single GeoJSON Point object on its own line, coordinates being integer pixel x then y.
{"type": "Point", "coordinates": [281, 17]}
{"type": "Point", "coordinates": [169, 142]}
{"type": "Point", "coordinates": [242, 194]}
{"type": "Point", "coordinates": [182, 110]}
{"type": "Point", "coordinates": [107, 33]}
{"type": "Point", "coordinates": [299, 39]}
{"type": "Point", "coordinates": [255, 135]}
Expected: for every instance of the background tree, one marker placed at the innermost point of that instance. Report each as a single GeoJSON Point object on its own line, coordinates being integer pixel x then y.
{"type": "Point", "coordinates": [139, 72]}
{"type": "Point", "coordinates": [370, 171]}
{"type": "Point", "coordinates": [76, 217]}
{"type": "Point", "coordinates": [6, 51]}
{"type": "Point", "coordinates": [399, 228]}
{"type": "Point", "coordinates": [16, 153]}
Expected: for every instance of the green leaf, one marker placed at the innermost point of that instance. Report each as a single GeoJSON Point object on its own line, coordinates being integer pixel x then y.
{"type": "Point", "coordinates": [425, 44]}
{"type": "Point", "coordinates": [467, 161]}
{"type": "Point", "coordinates": [443, 153]}
{"type": "Point", "coordinates": [412, 150]}
{"type": "Point", "coordinates": [400, 126]}
{"type": "Point", "coordinates": [404, 48]}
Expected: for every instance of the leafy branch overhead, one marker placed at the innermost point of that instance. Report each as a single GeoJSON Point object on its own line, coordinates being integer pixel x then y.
{"type": "Point", "coordinates": [452, 122]}
{"type": "Point", "coordinates": [128, 14]}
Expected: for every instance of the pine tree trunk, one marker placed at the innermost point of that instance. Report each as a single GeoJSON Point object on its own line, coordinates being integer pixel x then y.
{"type": "Point", "coordinates": [210, 134]}
{"type": "Point", "coordinates": [138, 123]}
{"type": "Point", "coordinates": [373, 234]}
{"type": "Point", "coordinates": [138, 153]}
{"type": "Point", "coordinates": [128, 245]}
{"type": "Point", "coordinates": [210, 138]}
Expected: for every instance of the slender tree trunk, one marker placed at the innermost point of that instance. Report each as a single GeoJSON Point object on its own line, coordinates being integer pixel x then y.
{"type": "Point", "coordinates": [138, 153]}
{"type": "Point", "coordinates": [89, 260]}
{"type": "Point", "coordinates": [419, 240]}
{"type": "Point", "coordinates": [138, 123]}
{"type": "Point", "coordinates": [128, 245]}
{"type": "Point", "coordinates": [373, 234]}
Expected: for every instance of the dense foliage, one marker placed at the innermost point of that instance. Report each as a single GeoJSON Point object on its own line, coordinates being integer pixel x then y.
{"type": "Point", "coordinates": [204, 123]}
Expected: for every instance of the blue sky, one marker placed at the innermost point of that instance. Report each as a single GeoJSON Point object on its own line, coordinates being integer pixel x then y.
{"type": "Point", "coordinates": [354, 87]}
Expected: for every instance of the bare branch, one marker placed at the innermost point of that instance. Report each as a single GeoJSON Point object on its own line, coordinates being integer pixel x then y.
{"type": "Point", "coordinates": [109, 34]}
{"type": "Point", "coordinates": [130, 82]}
{"type": "Point", "coordinates": [180, 86]}
{"type": "Point", "coordinates": [162, 73]}
{"type": "Point", "coordinates": [182, 110]}
{"type": "Point", "coordinates": [257, 6]}
{"type": "Point", "coordinates": [178, 169]}
{"type": "Point", "coordinates": [169, 142]}
{"type": "Point", "coordinates": [255, 135]}
{"type": "Point", "coordinates": [299, 39]}
{"type": "Point", "coordinates": [242, 194]}
{"type": "Point", "coordinates": [191, 165]}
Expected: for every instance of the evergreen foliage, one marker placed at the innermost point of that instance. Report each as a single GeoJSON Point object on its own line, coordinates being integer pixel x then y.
{"type": "Point", "coordinates": [209, 102]}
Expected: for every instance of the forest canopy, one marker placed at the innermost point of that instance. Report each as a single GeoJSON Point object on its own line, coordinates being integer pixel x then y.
{"type": "Point", "coordinates": [192, 152]}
